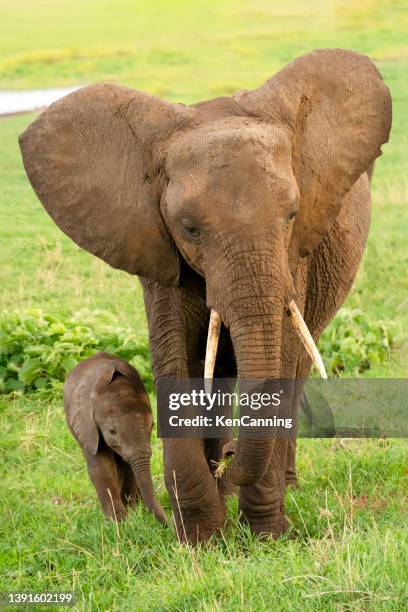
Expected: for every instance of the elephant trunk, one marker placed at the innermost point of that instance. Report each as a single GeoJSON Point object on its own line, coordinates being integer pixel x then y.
{"type": "Point", "coordinates": [257, 345]}
{"type": "Point", "coordinates": [141, 468]}
{"type": "Point", "coordinates": [252, 305]}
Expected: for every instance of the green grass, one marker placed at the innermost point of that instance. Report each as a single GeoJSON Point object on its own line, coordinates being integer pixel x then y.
{"type": "Point", "coordinates": [349, 517]}
{"type": "Point", "coordinates": [350, 513]}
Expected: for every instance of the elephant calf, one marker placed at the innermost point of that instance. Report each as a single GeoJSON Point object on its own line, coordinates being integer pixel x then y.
{"type": "Point", "coordinates": [108, 412]}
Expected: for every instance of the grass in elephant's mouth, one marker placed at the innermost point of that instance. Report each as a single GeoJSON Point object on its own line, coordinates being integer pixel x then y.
{"type": "Point", "coordinates": [350, 514]}
{"type": "Point", "coordinates": [221, 466]}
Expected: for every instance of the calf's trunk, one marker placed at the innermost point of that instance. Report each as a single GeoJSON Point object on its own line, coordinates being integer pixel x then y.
{"type": "Point", "coordinates": [141, 469]}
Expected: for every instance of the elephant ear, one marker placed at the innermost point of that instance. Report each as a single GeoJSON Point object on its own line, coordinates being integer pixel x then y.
{"type": "Point", "coordinates": [113, 368]}
{"type": "Point", "coordinates": [336, 111]}
{"type": "Point", "coordinates": [79, 408]}
{"type": "Point", "coordinates": [85, 429]}
{"type": "Point", "coordinates": [90, 158]}
{"type": "Point", "coordinates": [123, 368]}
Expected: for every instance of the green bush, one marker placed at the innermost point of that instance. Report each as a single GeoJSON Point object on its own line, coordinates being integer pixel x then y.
{"type": "Point", "coordinates": [37, 349]}
{"type": "Point", "coordinates": [353, 343]}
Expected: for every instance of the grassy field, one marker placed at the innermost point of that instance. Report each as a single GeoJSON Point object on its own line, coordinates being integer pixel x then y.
{"type": "Point", "coordinates": [350, 514]}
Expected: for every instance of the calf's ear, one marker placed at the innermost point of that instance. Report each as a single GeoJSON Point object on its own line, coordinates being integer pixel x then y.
{"type": "Point", "coordinates": [81, 420]}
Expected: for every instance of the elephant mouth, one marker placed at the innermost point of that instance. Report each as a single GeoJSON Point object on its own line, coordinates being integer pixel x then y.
{"type": "Point", "coordinates": [298, 323]}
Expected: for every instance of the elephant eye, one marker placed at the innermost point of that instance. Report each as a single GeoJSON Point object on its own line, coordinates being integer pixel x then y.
{"type": "Point", "coordinates": [113, 432]}
{"type": "Point", "coordinates": [191, 232]}
{"type": "Point", "coordinates": [292, 215]}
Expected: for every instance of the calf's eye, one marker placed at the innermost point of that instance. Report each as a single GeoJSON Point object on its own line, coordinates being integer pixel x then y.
{"type": "Point", "coordinates": [292, 216]}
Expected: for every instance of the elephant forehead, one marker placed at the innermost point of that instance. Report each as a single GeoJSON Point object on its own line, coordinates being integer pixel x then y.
{"type": "Point", "coordinates": [229, 142]}
{"type": "Point", "coordinates": [245, 167]}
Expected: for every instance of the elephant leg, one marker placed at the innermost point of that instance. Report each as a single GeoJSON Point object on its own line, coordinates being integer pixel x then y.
{"type": "Point", "coordinates": [103, 472]}
{"type": "Point", "coordinates": [262, 504]}
{"type": "Point", "coordinates": [130, 493]}
{"type": "Point", "coordinates": [178, 320]}
{"type": "Point", "coordinates": [198, 509]}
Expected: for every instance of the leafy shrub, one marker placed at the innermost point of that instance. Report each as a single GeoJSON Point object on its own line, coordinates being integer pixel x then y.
{"type": "Point", "coordinates": [353, 343]}
{"type": "Point", "coordinates": [37, 349]}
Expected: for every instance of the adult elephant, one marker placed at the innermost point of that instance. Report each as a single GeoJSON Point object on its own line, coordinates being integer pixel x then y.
{"type": "Point", "coordinates": [239, 205]}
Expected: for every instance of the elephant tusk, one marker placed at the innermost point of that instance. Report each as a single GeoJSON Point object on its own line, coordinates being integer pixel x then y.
{"type": "Point", "coordinates": [306, 337]}
{"type": "Point", "coordinates": [214, 327]}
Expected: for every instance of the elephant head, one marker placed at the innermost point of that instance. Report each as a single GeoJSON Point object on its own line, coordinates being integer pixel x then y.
{"type": "Point", "coordinates": [118, 408]}
{"type": "Point", "coordinates": [240, 188]}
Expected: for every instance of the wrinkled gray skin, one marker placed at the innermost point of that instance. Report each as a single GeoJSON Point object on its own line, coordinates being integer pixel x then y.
{"type": "Point", "coordinates": [109, 414]}
{"type": "Point", "coordinates": [238, 204]}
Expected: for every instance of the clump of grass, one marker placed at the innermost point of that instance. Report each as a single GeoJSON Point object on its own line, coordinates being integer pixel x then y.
{"type": "Point", "coordinates": [38, 349]}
